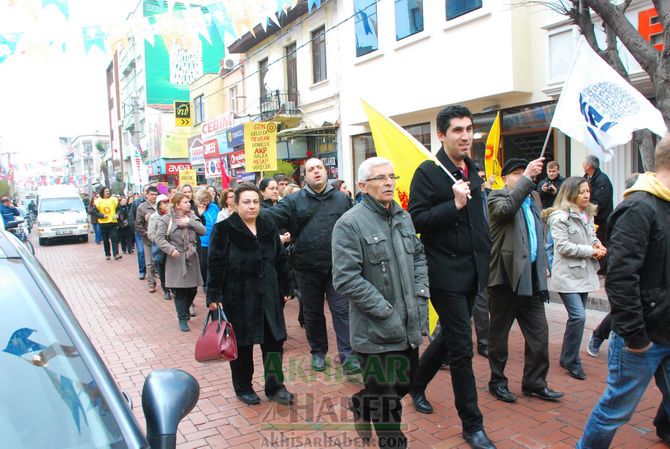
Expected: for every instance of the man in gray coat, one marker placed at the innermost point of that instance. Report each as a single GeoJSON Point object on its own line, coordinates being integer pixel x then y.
{"type": "Point", "coordinates": [144, 211]}
{"type": "Point", "coordinates": [518, 280]}
{"type": "Point", "coordinates": [379, 264]}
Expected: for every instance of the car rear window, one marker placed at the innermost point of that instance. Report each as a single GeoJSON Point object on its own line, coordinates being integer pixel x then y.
{"type": "Point", "coordinates": [48, 396]}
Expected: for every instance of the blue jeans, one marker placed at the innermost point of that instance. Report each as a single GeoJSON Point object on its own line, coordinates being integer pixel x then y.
{"type": "Point", "coordinates": [628, 378]}
{"type": "Point", "coordinates": [98, 232]}
{"type": "Point", "coordinates": [139, 247]}
{"type": "Point", "coordinates": [575, 304]}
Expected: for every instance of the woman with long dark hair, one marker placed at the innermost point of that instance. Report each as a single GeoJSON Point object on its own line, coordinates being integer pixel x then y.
{"type": "Point", "coordinates": [248, 277]}
{"type": "Point", "coordinates": [575, 270]}
{"type": "Point", "coordinates": [269, 192]}
{"type": "Point", "coordinates": [126, 233]}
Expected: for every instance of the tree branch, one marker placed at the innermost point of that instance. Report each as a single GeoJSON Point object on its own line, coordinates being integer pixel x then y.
{"type": "Point", "coordinates": [646, 55]}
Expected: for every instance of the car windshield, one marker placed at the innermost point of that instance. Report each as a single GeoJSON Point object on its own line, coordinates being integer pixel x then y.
{"type": "Point", "coordinates": [61, 204]}
{"type": "Point", "coordinates": [48, 396]}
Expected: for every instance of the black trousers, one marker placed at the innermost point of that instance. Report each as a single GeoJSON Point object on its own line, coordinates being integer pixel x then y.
{"type": "Point", "coordinates": [505, 307]}
{"type": "Point", "coordinates": [387, 377]}
{"type": "Point", "coordinates": [480, 315]}
{"type": "Point", "coordinates": [161, 273]}
{"type": "Point", "coordinates": [183, 298]}
{"type": "Point", "coordinates": [242, 368]}
{"type": "Point", "coordinates": [604, 328]}
{"type": "Point", "coordinates": [110, 232]}
{"type": "Point", "coordinates": [202, 259]}
{"type": "Point", "coordinates": [126, 239]}
{"type": "Point", "coordinates": [314, 287]}
{"type": "Point", "coordinates": [454, 342]}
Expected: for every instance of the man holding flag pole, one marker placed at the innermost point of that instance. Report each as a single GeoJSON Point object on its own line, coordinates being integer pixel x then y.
{"type": "Point", "coordinates": [448, 212]}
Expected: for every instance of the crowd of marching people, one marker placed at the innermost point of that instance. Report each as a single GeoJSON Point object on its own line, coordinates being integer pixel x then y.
{"type": "Point", "coordinates": [491, 255]}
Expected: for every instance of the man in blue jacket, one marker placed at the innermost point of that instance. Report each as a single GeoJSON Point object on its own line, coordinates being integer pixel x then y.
{"type": "Point", "coordinates": [8, 211]}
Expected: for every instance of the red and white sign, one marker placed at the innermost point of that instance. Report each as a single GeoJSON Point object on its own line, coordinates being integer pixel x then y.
{"type": "Point", "coordinates": [211, 149]}
{"type": "Point", "coordinates": [217, 125]}
{"type": "Point", "coordinates": [237, 159]}
{"type": "Point", "coordinates": [172, 168]}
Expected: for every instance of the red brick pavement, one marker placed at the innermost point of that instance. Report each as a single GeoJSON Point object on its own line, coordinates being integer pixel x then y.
{"type": "Point", "coordinates": [136, 332]}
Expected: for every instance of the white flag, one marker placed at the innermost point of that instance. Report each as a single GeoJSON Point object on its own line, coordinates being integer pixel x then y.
{"type": "Point", "coordinates": [599, 108]}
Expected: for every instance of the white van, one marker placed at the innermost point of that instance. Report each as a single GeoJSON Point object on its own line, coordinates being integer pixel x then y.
{"type": "Point", "coordinates": [60, 213]}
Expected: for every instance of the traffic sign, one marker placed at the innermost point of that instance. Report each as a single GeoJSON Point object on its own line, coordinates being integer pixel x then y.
{"type": "Point", "coordinates": [182, 113]}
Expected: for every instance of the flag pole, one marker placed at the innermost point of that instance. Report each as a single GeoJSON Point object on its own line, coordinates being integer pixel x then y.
{"type": "Point", "coordinates": [453, 178]}
{"type": "Point", "coordinates": [546, 141]}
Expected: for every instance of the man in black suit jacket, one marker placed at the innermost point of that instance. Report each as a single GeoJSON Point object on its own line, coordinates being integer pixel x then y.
{"type": "Point", "coordinates": [456, 239]}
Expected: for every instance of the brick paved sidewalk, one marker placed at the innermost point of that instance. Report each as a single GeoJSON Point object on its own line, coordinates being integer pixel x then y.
{"type": "Point", "coordinates": [137, 332]}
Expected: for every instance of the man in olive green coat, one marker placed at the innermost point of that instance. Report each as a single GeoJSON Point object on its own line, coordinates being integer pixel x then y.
{"type": "Point", "coordinates": [379, 264]}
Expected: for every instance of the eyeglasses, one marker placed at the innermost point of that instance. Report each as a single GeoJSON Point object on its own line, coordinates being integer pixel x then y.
{"type": "Point", "coordinates": [383, 178]}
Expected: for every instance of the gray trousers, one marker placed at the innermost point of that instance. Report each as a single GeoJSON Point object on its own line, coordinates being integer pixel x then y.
{"type": "Point", "coordinates": [149, 262]}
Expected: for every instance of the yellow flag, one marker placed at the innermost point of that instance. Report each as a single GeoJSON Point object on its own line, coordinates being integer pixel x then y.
{"type": "Point", "coordinates": [394, 143]}
{"type": "Point", "coordinates": [491, 164]}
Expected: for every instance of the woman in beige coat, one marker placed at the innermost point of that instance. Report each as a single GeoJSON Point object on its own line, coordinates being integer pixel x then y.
{"type": "Point", "coordinates": [176, 237]}
{"type": "Point", "coordinates": [575, 270]}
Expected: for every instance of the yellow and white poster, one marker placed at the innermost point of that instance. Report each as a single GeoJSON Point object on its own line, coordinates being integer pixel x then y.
{"type": "Point", "coordinates": [260, 146]}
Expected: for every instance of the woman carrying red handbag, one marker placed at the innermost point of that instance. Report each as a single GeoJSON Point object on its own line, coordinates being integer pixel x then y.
{"type": "Point", "coordinates": [248, 277]}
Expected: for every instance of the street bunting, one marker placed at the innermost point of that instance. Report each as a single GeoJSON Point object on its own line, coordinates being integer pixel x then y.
{"type": "Point", "coordinates": [260, 146]}
{"type": "Point", "coordinates": [182, 113]}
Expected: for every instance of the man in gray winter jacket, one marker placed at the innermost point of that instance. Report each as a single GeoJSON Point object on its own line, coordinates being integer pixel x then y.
{"type": "Point", "coordinates": [380, 265]}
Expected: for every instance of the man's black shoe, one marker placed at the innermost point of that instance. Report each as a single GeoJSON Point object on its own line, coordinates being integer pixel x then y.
{"type": "Point", "coordinates": [421, 404]}
{"type": "Point", "coordinates": [319, 363]}
{"type": "Point", "coordinates": [502, 393]}
{"type": "Point", "coordinates": [478, 440]}
{"type": "Point", "coordinates": [543, 393]}
{"type": "Point", "coordinates": [363, 428]}
{"type": "Point", "coordinates": [483, 351]}
{"type": "Point", "coordinates": [281, 396]}
{"type": "Point", "coordinates": [249, 398]}
{"type": "Point", "coordinates": [577, 373]}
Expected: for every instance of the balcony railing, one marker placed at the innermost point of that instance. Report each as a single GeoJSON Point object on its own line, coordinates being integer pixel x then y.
{"type": "Point", "coordinates": [279, 103]}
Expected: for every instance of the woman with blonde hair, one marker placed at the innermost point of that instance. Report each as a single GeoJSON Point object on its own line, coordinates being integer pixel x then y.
{"type": "Point", "coordinates": [577, 251]}
{"type": "Point", "coordinates": [176, 237]}
{"type": "Point", "coordinates": [291, 188]}
{"type": "Point", "coordinates": [208, 211]}
{"type": "Point", "coordinates": [226, 204]}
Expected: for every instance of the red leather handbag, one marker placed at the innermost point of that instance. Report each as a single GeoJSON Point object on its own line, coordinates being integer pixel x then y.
{"type": "Point", "coordinates": [217, 341]}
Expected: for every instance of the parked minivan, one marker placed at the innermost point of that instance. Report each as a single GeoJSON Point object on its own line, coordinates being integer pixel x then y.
{"type": "Point", "coordinates": [61, 213]}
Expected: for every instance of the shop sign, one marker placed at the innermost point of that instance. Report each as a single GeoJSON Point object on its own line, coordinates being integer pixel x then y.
{"type": "Point", "coordinates": [235, 136]}
{"type": "Point", "coordinates": [237, 159]}
{"type": "Point", "coordinates": [213, 168]}
{"type": "Point", "coordinates": [172, 168]}
{"type": "Point", "coordinates": [195, 150]}
{"type": "Point", "coordinates": [246, 177]}
{"type": "Point", "coordinates": [211, 149]}
{"type": "Point", "coordinates": [218, 125]}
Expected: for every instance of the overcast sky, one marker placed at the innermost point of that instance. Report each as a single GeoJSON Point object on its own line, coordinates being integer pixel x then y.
{"type": "Point", "coordinates": [59, 94]}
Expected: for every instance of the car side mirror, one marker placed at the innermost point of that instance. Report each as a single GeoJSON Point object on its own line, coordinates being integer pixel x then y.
{"type": "Point", "coordinates": [168, 396]}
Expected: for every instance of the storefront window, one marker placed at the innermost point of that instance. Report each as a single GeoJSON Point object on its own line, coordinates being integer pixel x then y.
{"type": "Point", "coordinates": [420, 132]}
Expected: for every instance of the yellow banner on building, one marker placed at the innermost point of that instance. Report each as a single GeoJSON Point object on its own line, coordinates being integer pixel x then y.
{"type": "Point", "coordinates": [260, 146]}
{"type": "Point", "coordinates": [188, 176]}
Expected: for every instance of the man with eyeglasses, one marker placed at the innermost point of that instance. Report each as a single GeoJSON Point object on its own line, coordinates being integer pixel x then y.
{"type": "Point", "coordinates": [450, 218]}
{"type": "Point", "coordinates": [310, 215]}
{"type": "Point", "coordinates": [380, 266]}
